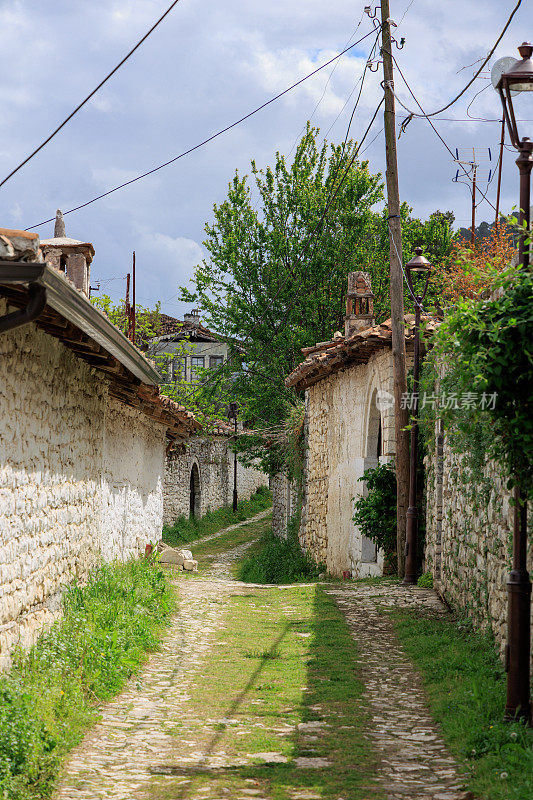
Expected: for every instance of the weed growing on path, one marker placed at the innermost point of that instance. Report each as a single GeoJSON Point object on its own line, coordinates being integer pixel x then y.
{"type": "Point", "coordinates": [51, 693]}
{"type": "Point", "coordinates": [465, 683]}
{"type": "Point", "coordinates": [277, 560]}
{"type": "Point", "coordinates": [188, 529]}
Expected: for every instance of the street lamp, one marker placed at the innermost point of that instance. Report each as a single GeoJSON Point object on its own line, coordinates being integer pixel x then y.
{"type": "Point", "coordinates": [232, 415]}
{"type": "Point", "coordinates": [421, 268]}
{"type": "Point", "coordinates": [519, 78]}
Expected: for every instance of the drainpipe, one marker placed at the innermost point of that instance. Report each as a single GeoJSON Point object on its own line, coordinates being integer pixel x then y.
{"type": "Point", "coordinates": [34, 308]}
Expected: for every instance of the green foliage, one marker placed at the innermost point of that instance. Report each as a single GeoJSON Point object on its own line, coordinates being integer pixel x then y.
{"type": "Point", "coordinates": [465, 683]}
{"type": "Point", "coordinates": [51, 693]}
{"type": "Point", "coordinates": [425, 581]}
{"type": "Point", "coordinates": [486, 347]}
{"type": "Point", "coordinates": [275, 278]}
{"type": "Point", "coordinates": [147, 321]}
{"type": "Point", "coordinates": [188, 529]}
{"type": "Point", "coordinates": [375, 514]}
{"type": "Point", "coordinates": [279, 560]}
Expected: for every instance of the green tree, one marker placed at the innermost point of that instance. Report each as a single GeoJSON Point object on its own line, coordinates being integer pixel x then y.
{"type": "Point", "coordinates": [275, 279]}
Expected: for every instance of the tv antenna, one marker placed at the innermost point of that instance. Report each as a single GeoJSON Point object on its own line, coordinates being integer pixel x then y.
{"type": "Point", "coordinates": [470, 163]}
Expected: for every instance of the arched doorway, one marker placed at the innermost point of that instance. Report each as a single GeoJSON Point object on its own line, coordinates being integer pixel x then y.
{"type": "Point", "coordinates": [194, 497]}
{"type": "Point", "coordinates": [374, 447]}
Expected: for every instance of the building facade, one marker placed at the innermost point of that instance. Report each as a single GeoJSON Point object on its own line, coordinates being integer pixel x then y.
{"type": "Point", "coordinates": [83, 434]}
{"type": "Point", "coordinates": [205, 350]}
{"type": "Point", "coordinates": [349, 428]}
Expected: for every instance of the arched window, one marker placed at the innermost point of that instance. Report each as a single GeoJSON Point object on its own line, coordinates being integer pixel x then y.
{"type": "Point", "coordinates": [194, 499]}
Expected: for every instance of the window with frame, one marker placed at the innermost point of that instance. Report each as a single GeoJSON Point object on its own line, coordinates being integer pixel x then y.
{"type": "Point", "coordinates": [197, 363]}
{"type": "Point", "coordinates": [215, 361]}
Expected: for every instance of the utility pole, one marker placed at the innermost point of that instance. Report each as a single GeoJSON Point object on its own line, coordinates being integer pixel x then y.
{"type": "Point", "coordinates": [401, 418]}
{"type": "Point", "coordinates": [133, 310]}
{"type": "Point", "coordinates": [473, 234]}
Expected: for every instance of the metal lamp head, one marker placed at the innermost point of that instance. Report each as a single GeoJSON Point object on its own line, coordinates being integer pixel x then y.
{"type": "Point", "coordinates": [232, 411]}
{"type": "Point", "coordinates": [418, 265]}
{"type": "Point", "coordinates": [518, 79]}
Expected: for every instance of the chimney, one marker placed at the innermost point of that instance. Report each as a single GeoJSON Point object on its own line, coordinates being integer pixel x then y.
{"type": "Point", "coordinates": [359, 304]}
{"type": "Point", "coordinates": [69, 256]}
{"type": "Point", "coordinates": [193, 318]}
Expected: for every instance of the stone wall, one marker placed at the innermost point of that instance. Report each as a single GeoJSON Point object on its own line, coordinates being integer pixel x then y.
{"type": "Point", "coordinates": [80, 478]}
{"type": "Point", "coordinates": [469, 537]}
{"type": "Point", "coordinates": [347, 413]}
{"type": "Point", "coordinates": [285, 504]}
{"type": "Point", "coordinates": [213, 459]}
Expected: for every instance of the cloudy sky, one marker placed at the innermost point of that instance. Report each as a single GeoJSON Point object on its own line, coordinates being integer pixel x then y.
{"type": "Point", "coordinates": [209, 63]}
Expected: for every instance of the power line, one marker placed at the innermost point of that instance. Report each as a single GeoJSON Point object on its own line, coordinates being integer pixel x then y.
{"type": "Point", "coordinates": [94, 91]}
{"type": "Point", "coordinates": [476, 74]}
{"type": "Point", "coordinates": [209, 138]}
{"type": "Point", "coordinates": [427, 117]}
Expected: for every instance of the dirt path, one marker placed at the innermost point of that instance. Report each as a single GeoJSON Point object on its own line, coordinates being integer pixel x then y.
{"type": "Point", "coordinates": [233, 705]}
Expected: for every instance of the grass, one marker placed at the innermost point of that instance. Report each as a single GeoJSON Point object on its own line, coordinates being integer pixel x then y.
{"type": "Point", "coordinates": [277, 560]}
{"type": "Point", "coordinates": [51, 694]}
{"type": "Point", "coordinates": [465, 684]}
{"type": "Point", "coordinates": [187, 529]}
{"type": "Point", "coordinates": [286, 657]}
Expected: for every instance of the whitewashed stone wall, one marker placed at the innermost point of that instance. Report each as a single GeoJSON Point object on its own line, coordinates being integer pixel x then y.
{"type": "Point", "coordinates": [344, 413]}
{"type": "Point", "coordinates": [214, 461]}
{"type": "Point", "coordinates": [80, 478]}
{"type": "Point", "coordinates": [469, 538]}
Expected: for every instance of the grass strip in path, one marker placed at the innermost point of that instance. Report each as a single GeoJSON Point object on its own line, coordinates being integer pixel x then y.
{"type": "Point", "coordinates": [278, 711]}
{"type": "Point", "coordinates": [189, 529]}
{"type": "Point", "coordinates": [465, 684]}
{"type": "Point", "coordinates": [208, 551]}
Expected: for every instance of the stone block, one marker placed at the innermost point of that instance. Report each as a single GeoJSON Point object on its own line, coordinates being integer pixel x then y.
{"type": "Point", "coordinates": [190, 565]}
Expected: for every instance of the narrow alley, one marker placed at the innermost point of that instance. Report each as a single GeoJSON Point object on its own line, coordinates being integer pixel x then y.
{"type": "Point", "coordinates": [269, 692]}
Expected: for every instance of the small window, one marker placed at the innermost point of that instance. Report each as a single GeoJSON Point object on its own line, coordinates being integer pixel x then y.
{"type": "Point", "coordinates": [215, 361]}
{"type": "Point", "coordinates": [197, 363]}
{"type": "Point", "coordinates": [179, 369]}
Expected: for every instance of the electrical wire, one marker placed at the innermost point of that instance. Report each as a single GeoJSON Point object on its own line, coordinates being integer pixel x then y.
{"type": "Point", "coordinates": [448, 148]}
{"type": "Point", "coordinates": [327, 83]}
{"type": "Point", "coordinates": [91, 94]}
{"type": "Point", "coordinates": [209, 138]}
{"type": "Point", "coordinates": [476, 74]}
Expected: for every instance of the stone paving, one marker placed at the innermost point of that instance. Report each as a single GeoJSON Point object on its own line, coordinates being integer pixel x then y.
{"type": "Point", "coordinates": [150, 723]}
{"type": "Point", "coordinates": [414, 761]}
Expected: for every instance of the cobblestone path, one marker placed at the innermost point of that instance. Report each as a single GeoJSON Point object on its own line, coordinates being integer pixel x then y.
{"type": "Point", "coordinates": [156, 722]}
{"type": "Point", "coordinates": [414, 761]}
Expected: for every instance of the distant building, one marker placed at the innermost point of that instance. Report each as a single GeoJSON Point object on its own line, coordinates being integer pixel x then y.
{"type": "Point", "coordinates": [207, 350]}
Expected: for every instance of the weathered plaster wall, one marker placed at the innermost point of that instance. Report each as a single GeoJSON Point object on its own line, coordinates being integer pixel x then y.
{"type": "Point", "coordinates": [344, 412]}
{"type": "Point", "coordinates": [214, 461]}
{"type": "Point", "coordinates": [469, 537]}
{"type": "Point", "coordinates": [80, 477]}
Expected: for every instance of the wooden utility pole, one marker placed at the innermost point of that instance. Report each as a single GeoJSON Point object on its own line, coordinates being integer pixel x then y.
{"type": "Point", "coordinates": [401, 415]}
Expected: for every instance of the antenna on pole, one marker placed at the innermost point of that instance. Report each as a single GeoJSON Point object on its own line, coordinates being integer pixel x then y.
{"type": "Point", "coordinates": [133, 310]}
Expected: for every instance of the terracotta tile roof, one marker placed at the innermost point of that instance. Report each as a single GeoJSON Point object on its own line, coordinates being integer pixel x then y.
{"type": "Point", "coordinates": [172, 327]}
{"type": "Point", "coordinates": [326, 358]}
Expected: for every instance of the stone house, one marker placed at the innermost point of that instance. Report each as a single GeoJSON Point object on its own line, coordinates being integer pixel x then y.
{"type": "Point", "coordinates": [349, 428]}
{"type": "Point", "coordinates": [206, 350]}
{"type": "Point", "coordinates": [83, 433]}
{"type": "Point", "coordinates": [199, 476]}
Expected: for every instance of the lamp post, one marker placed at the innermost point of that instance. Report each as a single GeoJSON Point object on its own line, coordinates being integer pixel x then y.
{"type": "Point", "coordinates": [232, 415]}
{"type": "Point", "coordinates": [519, 78]}
{"type": "Point", "coordinates": [418, 266]}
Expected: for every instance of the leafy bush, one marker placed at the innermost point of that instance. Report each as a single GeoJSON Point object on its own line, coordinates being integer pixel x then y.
{"type": "Point", "coordinates": [50, 695]}
{"type": "Point", "coordinates": [375, 514]}
{"type": "Point", "coordinates": [425, 581]}
{"type": "Point", "coordinates": [278, 560]}
{"type": "Point", "coordinates": [188, 529]}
